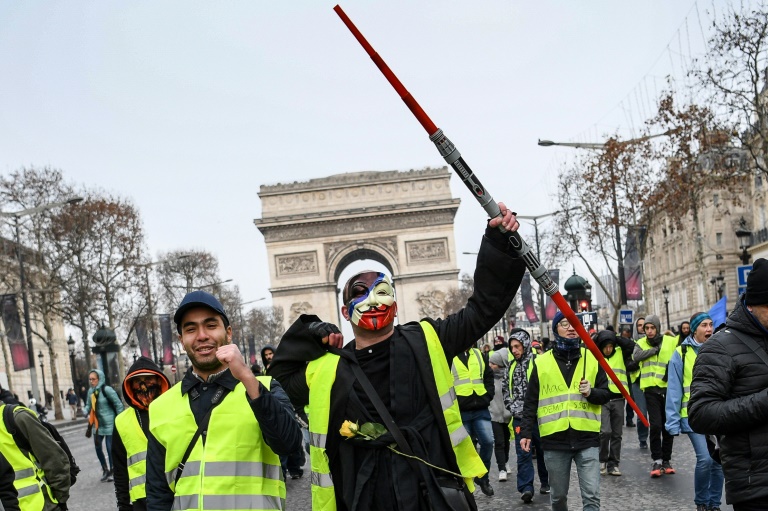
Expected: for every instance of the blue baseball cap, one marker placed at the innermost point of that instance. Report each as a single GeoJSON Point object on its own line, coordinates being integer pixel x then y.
{"type": "Point", "coordinates": [198, 299]}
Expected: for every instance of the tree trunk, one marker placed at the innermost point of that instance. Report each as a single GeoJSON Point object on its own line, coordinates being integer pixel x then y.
{"type": "Point", "coordinates": [52, 356]}
{"type": "Point", "coordinates": [7, 359]}
{"type": "Point", "coordinates": [111, 319]}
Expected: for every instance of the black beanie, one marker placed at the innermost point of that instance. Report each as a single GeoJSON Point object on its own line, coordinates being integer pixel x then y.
{"type": "Point", "coordinates": [757, 283]}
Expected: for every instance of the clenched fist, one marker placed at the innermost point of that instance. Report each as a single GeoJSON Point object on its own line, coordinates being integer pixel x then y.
{"type": "Point", "coordinates": [326, 333]}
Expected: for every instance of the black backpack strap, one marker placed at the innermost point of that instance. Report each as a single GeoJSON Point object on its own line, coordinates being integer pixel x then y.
{"type": "Point", "coordinates": [10, 422]}
{"type": "Point", "coordinates": [221, 393]}
{"type": "Point", "coordinates": [751, 344]}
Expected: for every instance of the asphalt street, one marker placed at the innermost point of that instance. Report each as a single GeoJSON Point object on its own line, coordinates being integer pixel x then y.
{"type": "Point", "coordinates": [633, 491]}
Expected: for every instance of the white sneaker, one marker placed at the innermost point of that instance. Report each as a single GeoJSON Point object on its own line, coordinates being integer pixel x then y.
{"type": "Point", "coordinates": [603, 469]}
{"type": "Point", "coordinates": [502, 475]}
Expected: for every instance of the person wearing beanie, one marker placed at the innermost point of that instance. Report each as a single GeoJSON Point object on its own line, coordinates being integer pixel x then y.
{"type": "Point", "coordinates": [567, 379]}
{"type": "Point", "coordinates": [143, 383]}
{"type": "Point", "coordinates": [708, 475]}
{"type": "Point", "coordinates": [728, 394]}
{"type": "Point", "coordinates": [500, 416]}
{"type": "Point", "coordinates": [653, 352]}
{"type": "Point", "coordinates": [612, 416]}
{"type": "Point", "coordinates": [515, 387]}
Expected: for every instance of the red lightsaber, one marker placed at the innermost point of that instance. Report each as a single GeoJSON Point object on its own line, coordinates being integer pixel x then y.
{"type": "Point", "coordinates": [451, 154]}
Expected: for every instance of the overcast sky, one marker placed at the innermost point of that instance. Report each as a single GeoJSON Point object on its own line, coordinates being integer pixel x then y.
{"type": "Point", "coordinates": [188, 107]}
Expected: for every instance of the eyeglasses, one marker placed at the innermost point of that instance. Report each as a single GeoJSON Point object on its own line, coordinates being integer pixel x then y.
{"type": "Point", "coordinates": [565, 324]}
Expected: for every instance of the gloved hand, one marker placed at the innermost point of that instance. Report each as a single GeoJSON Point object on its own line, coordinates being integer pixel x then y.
{"type": "Point", "coordinates": [585, 388]}
{"type": "Point", "coordinates": [326, 333]}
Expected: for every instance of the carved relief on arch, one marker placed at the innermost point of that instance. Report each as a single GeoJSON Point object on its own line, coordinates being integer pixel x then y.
{"type": "Point", "coordinates": [296, 264]}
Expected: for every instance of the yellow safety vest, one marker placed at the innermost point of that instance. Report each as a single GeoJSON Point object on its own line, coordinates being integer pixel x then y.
{"type": "Point", "coordinates": [233, 469]}
{"type": "Point", "coordinates": [560, 406]}
{"type": "Point", "coordinates": [29, 478]}
{"type": "Point", "coordinates": [617, 364]}
{"type": "Point", "coordinates": [653, 369]}
{"type": "Point", "coordinates": [528, 371]}
{"type": "Point", "coordinates": [135, 442]}
{"type": "Point", "coordinates": [689, 358]}
{"type": "Point", "coordinates": [468, 379]}
{"type": "Point", "coordinates": [321, 374]}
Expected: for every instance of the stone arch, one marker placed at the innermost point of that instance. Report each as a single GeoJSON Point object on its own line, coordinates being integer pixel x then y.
{"type": "Point", "coordinates": [315, 229]}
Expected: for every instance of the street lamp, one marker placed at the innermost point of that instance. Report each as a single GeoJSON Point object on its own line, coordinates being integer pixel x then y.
{"type": "Point", "coordinates": [614, 203]}
{"type": "Point", "coordinates": [16, 215]}
{"type": "Point", "coordinates": [718, 284]}
{"type": "Point", "coordinates": [242, 324]}
{"type": "Point", "coordinates": [665, 292]}
{"type": "Point", "coordinates": [744, 236]}
{"type": "Point", "coordinates": [71, 346]}
{"type": "Point", "coordinates": [42, 371]}
{"type": "Point", "coordinates": [214, 284]}
{"type": "Point", "coordinates": [133, 345]}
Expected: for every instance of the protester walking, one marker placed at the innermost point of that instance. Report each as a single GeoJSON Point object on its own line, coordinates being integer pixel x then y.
{"type": "Point", "coordinates": [216, 436]}
{"type": "Point", "coordinates": [144, 383]}
{"type": "Point", "coordinates": [565, 392]}
{"type": "Point", "coordinates": [73, 401]}
{"type": "Point", "coordinates": [500, 416]}
{"type": "Point", "coordinates": [397, 376]}
{"type": "Point", "coordinates": [612, 414]}
{"type": "Point", "coordinates": [101, 407]}
{"type": "Point", "coordinates": [728, 394]}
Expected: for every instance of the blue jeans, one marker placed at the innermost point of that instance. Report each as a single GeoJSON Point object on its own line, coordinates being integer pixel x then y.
{"type": "Point", "coordinates": [639, 397]}
{"type": "Point", "coordinates": [708, 476]}
{"type": "Point", "coordinates": [97, 440]}
{"type": "Point", "coordinates": [478, 425]}
{"type": "Point", "coordinates": [525, 460]}
{"type": "Point", "coordinates": [587, 467]}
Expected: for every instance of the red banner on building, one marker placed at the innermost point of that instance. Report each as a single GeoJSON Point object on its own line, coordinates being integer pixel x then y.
{"type": "Point", "coordinates": [16, 342]}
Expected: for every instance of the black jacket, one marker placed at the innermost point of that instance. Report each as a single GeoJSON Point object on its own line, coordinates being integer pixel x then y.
{"type": "Point", "coordinates": [570, 439]}
{"type": "Point", "coordinates": [278, 427]}
{"type": "Point", "coordinates": [729, 398]}
{"type": "Point", "coordinates": [8, 496]}
{"type": "Point", "coordinates": [475, 402]}
{"type": "Point", "coordinates": [382, 479]}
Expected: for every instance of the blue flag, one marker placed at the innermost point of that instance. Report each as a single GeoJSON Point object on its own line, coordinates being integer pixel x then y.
{"type": "Point", "coordinates": [719, 312]}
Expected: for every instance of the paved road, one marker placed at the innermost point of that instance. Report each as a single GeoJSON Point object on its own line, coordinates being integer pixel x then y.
{"type": "Point", "coordinates": [634, 491]}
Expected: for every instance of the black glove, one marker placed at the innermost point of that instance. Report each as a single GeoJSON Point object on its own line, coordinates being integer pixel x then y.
{"type": "Point", "coordinates": [321, 329]}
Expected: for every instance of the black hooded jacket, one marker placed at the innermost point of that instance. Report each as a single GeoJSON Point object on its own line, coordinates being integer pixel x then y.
{"type": "Point", "coordinates": [729, 398]}
{"type": "Point", "coordinates": [264, 363]}
{"type": "Point", "coordinates": [119, 455]}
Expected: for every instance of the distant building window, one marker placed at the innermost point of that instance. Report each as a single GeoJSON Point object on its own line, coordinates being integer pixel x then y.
{"type": "Point", "coordinates": [716, 199]}
{"type": "Point", "coordinates": [719, 238]}
{"type": "Point", "coordinates": [758, 180]}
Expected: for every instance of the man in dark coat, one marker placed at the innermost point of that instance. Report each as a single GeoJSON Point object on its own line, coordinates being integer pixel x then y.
{"type": "Point", "coordinates": [365, 475]}
{"type": "Point", "coordinates": [729, 394]}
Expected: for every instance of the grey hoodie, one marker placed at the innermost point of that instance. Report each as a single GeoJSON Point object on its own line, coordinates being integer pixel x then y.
{"type": "Point", "coordinates": [499, 412]}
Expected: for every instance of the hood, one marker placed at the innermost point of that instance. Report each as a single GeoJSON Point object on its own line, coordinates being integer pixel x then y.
{"type": "Point", "coordinates": [635, 334]}
{"type": "Point", "coordinates": [267, 347]}
{"type": "Point", "coordinates": [143, 365]}
{"type": "Point", "coordinates": [743, 321]}
{"type": "Point", "coordinates": [101, 378]}
{"type": "Point", "coordinates": [606, 337]}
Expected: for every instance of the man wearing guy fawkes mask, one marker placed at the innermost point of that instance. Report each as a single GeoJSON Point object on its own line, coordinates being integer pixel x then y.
{"type": "Point", "coordinates": [408, 368]}
{"type": "Point", "coordinates": [142, 385]}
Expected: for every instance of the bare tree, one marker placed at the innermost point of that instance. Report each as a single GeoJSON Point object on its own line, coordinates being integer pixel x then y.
{"type": "Point", "coordinates": [733, 75]}
{"type": "Point", "coordinates": [183, 271]}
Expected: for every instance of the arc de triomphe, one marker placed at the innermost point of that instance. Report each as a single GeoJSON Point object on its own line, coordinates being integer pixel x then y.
{"type": "Point", "coordinates": [314, 229]}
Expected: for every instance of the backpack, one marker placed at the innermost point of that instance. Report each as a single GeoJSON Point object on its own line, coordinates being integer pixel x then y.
{"type": "Point", "coordinates": [10, 425]}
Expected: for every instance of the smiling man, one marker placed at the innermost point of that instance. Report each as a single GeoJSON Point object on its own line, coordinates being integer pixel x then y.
{"type": "Point", "coordinates": [215, 436]}
{"type": "Point", "coordinates": [406, 369]}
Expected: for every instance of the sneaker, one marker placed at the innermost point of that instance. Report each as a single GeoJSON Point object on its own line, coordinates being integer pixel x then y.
{"type": "Point", "coordinates": [657, 470]}
{"type": "Point", "coordinates": [485, 486]}
{"type": "Point", "coordinates": [502, 475]}
{"type": "Point", "coordinates": [527, 496]}
{"type": "Point", "coordinates": [716, 508]}
{"type": "Point", "coordinates": [643, 445]}
{"type": "Point", "coordinates": [702, 507]}
{"type": "Point", "coordinates": [667, 468]}
{"type": "Point", "coordinates": [544, 490]}
{"type": "Point", "coordinates": [104, 475]}
{"type": "Point", "coordinates": [603, 469]}
{"type": "Point", "coordinates": [110, 477]}
{"type": "Point", "coordinates": [614, 471]}
{"type": "Point", "coordinates": [630, 423]}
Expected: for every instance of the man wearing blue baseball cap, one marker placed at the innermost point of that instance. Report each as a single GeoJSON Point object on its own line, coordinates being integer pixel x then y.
{"type": "Point", "coordinates": [215, 437]}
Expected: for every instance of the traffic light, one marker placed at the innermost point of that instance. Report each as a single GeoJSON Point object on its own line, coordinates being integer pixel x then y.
{"type": "Point", "coordinates": [584, 306]}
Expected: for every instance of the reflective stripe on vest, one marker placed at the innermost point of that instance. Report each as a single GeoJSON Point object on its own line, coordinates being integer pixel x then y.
{"type": "Point", "coordinates": [560, 406]}
{"type": "Point", "coordinates": [135, 442]}
{"type": "Point", "coordinates": [688, 360]}
{"type": "Point", "coordinates": [29, 479]}
{"type": "Point", "coordinates": [653, 369]}
{"type": "Point", "coordinates": [468, 379]}
{"type": "Point", "coordinates": [617, 364]}
{"type": "Point", "coordinates": [233, 469]}
{"type": "Point", "coordinates": [321, 374]}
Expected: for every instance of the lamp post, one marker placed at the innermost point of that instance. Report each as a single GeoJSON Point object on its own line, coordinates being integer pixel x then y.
{"type": "Point", "coordinates": [42, 371]}
{"type": "Point", "coordinates": [242, 324]}
{"type": "Point", "coordinates": [16, 215]}
{"type": "Point", "coordinates": [133, 345]}
{"type": "Point", "coordinates": [542, 320]}
{"type": "Point", "coordinates": [614, 202]}
{"type": "Point", "coordinates": [71, 346]}
{"type": "Point", "coordinates": [665, 292]}
{"type": "Point", "coordinates": [718, 284]}
{"type": "Point", "coordinates": [744, 235]}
